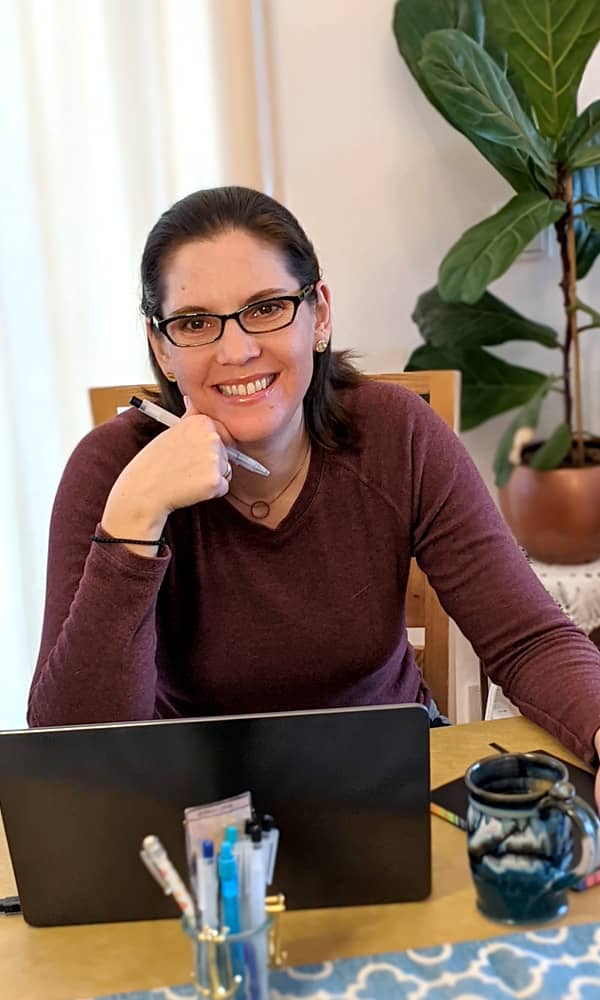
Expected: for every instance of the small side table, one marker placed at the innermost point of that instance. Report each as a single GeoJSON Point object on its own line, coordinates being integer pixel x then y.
{"type": "Point", "coordinates": [576, 590]}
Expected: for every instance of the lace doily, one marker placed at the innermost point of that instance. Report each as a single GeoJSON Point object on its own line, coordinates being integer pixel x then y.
{"type": "Point", "coordinates": [576, 590]}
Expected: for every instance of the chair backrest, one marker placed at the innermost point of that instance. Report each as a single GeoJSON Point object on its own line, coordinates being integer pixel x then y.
{"type": "Point", "coordinates": [441, 389]}
{"type": "Point", "coordinates": [107, 400]}
{"type": "Point", "coordinates": [435, 657]}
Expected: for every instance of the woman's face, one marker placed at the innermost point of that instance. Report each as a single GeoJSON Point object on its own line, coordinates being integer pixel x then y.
{"type": "Point", "coordinates": [220, 276]}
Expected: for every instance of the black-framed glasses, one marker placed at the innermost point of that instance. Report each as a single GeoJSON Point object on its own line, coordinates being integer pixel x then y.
{"type": "Point", "coordinates": [198, 329]}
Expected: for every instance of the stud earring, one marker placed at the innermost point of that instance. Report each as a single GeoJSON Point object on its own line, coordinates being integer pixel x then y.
{"type": "Point", "coordinates": [171, 377]}
{"type": "Point", "coordinates": [320, 346]}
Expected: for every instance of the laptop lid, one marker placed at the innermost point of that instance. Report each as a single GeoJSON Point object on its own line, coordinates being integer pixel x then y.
{"type": "Point", "coordinates": [349, 790]}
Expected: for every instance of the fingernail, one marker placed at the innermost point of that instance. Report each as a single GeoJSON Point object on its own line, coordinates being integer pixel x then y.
{"type": "Point", "coordinates": [186, 400]}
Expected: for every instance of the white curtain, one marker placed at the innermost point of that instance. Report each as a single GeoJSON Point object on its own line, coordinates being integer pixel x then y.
{"type": "Point", "coordinates": [111, 110]}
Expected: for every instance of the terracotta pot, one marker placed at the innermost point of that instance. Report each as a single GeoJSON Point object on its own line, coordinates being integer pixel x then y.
{"type": "Point", "coordinates": [554, 515]}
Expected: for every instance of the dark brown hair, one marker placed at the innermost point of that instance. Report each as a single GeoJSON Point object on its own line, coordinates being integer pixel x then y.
{"type": "Point", "coordinates": [204, 215]}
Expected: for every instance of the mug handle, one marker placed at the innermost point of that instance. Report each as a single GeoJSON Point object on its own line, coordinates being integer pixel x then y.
{"type": "Point", "coordinates": [583, 818]}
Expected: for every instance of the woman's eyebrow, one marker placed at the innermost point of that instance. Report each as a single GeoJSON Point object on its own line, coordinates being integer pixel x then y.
{"type": "Point", "coordinates": [265, 293]}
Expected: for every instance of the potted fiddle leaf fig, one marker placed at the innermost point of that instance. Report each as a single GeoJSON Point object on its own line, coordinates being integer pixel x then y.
{"type": "Point", "coordinates": [505, 73]}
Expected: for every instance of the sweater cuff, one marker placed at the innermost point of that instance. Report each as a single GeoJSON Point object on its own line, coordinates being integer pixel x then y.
{"type": "Point", "coordinates": [119, 555]}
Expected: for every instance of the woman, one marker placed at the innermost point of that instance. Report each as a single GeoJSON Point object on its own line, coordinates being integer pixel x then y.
{"type": "Point", "coordinates": [208, 589]}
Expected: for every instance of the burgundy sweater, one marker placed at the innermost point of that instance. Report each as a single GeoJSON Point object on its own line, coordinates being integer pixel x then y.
{"type": "Point", "coordinates": [235, 617]}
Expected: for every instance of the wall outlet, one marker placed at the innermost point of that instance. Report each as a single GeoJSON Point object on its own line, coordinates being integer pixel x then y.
{"type": "Point", "coordinates": [540, 246]}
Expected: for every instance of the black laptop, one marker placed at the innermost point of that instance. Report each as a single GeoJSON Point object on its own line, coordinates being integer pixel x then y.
{"type": "Point", "coordinates": [349, 790]}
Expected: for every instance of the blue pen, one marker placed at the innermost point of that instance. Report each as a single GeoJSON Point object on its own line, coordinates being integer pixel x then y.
{"type": "Point", "coordinates": [231, 835]}
{"type": "Point", "coordinates": [230, 903]}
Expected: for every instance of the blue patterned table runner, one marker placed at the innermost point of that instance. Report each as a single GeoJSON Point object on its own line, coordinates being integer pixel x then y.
{"type": "Point", "coordinates": [561, 963]}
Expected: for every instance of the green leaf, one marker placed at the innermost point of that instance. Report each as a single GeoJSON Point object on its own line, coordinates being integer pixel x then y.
{"type": "Point", "coordinates": [488, 249]}
{"type": "Point", "coordinates": [549, 43]}
{"type": "Point", "coordinates": [489, 385]}
{"type": "Point", "coordinates": [592, 217]}
{"type": "Point", "coordinates": [528, 416]}
{"type": "Point", "coordinates": [586, 184]}
{"type": "Point", "coordinates": [478, 99]}
{"type": "Point", "coordinates": [487, 322]}
{"type": "Point", "coordinates": [413, 21]}
{"type": "Point", "coordinates": [590, 157]}
{"type": "Point", "coordinates": [554, 450]}
{"type": "Point", "coordinates": [578, 147]}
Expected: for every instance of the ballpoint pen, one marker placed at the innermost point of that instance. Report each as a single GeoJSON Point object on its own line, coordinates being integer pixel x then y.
{"type": "Point", "coordinates": [170, 419]}
{"type": "Point", "coordinates": [256, 949]}
{"type": "Point", "coordinates": [231, 835]}
{"type": "Point", "coordinates": [230, 901]}
{"type": "Point", "coordinates": [208, 890]}
{"type": "Point", "coordinates": [270, 836]}
{"type": "Point", "coordinates": [158, 864]}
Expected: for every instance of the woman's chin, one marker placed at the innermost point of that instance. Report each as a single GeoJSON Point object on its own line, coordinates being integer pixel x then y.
{"type": "Point", "coordinates": [253, 429]}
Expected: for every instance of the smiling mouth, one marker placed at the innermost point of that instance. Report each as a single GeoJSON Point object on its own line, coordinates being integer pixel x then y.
{"type": "Point", "coordinates": [246, 388]}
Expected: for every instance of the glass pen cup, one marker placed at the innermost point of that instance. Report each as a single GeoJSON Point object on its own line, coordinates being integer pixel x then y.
{"type": "Point", "coordinates": [225, 962]}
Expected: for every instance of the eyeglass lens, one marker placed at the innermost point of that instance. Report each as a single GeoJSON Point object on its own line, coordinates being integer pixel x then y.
{"type": "Point", "coordinates": [262, 317]}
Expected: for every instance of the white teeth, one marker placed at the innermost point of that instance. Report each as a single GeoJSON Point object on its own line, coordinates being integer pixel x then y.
{"type": "Point", "coordinates": [246, 388]}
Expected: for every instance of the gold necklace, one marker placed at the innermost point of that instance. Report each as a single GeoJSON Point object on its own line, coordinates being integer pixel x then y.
{"type": "Point", "coordinates": [260, 509]}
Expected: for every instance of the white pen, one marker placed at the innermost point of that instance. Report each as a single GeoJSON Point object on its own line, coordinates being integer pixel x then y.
{"type": "Point", "coordinates": [207, 885]}
{"type": "Point", "coordinates": [255, 916]}
{"type": "Point", "coordinates": [169, 419]}
{"type": "Point", "coordinates": [157, 862]}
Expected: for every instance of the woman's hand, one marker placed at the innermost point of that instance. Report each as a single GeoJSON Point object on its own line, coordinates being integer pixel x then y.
{"type": "Point", "coordinates": [180, 467]}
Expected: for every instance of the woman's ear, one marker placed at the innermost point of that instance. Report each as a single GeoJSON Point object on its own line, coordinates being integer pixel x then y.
{"type": "Point", "coordinates": [322, 329]}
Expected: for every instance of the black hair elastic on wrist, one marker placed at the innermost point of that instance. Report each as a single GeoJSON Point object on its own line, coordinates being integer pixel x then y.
{"type": "Point", "coordinates": [126, 541]}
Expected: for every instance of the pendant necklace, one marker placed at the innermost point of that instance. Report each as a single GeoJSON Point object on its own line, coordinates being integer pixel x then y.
{"type": "Point", "coordinates": [260, 509]}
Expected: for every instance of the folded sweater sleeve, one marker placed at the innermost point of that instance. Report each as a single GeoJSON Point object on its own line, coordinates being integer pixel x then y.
{"type": "Point", "coordinates": [97, 653]}
{"type": "Point", "coordinates": [540, 659]}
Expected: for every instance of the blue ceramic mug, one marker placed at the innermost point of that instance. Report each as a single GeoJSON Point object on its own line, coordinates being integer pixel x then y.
{"type": "Point", "coordinates": [530, 837]}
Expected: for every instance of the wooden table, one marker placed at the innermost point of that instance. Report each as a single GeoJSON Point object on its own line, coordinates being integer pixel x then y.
{"type": "Point", "coordinates": [63, 963]}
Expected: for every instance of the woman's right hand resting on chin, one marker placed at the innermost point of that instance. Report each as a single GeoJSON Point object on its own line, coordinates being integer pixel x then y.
{"type": "Point", "coordinates": [180, 467]}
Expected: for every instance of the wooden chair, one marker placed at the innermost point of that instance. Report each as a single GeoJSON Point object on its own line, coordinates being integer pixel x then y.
{"type": "Point", "coordinates": [107, 400]}
{"type": "Point", "coordinates": [435, 657]}
{"type": "Point", "coordinates": [423, 610]}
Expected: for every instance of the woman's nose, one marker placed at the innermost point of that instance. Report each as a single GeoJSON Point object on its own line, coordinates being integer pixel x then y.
{"type": "Point", "coordinates": [235, 345]}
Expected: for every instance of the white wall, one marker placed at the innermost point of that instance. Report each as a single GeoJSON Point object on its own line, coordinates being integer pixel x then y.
{"type": "Point", "coordinates": [384, 186]}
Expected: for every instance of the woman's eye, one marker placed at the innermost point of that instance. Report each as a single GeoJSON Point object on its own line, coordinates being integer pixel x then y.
{"type": "Point", "coordinates": [267, 309]}
{"type": "Point", "coordinates": [196, 324]}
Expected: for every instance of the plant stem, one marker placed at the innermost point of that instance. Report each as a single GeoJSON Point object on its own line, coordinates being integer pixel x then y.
{"type": "Point", "coordinates": [566, 237]}
{"type": "Point", "coordinates": [572, 319]}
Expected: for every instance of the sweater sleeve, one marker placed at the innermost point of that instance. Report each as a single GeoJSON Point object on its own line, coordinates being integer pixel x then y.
{"type": "Point", "coordinates": [97, 654]}
{"type": "Point", "coordinates": [547, 667]}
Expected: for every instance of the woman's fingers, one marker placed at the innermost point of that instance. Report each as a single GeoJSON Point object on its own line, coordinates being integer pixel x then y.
{"type": "Point", "coordinates": [190, 409]}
